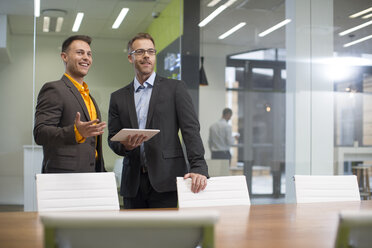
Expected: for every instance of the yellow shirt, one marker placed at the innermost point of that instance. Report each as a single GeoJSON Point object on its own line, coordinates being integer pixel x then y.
{"type": "Point", "coordinates": [84, 91]}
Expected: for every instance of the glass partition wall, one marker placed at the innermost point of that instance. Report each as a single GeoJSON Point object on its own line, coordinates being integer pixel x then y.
{"type": "Point", "coordinates": [296, 74]}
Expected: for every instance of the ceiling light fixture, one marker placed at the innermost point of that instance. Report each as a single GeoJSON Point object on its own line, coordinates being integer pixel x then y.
{"type": "Point", "coordinates": [59, 24]}
{"type": "Point", "coordinates": [78, 20]}
{"type": "Point", "coordinates": [230, 2]}
{"type": "Point", "coordinates": [275, 27]}
{"type": "Point", "coordinates": [360, 13]}
{"type": "Point", "coordinates": [120, 18]}
{"type": "Point", "coordinates": [367, 16]}
{"type": "Point", "coordinates": [216, 13]}
{"type": "Point", "coordinates": [213, 3]}
{"type": "Point", "coordinates": [46, 23]}
{"type": "Point", "coordinates": [355, 28]}
{"type": "Point", "coordinates": [232, 30]}
{"type": "Point", "coordinates": [212, 16]}
{"type": "Point", "coordinates": [53, 19]}
{"type": "Point", "coordinates": [358, 41]}
{"type": "Point", "coordinates": [37, 8]}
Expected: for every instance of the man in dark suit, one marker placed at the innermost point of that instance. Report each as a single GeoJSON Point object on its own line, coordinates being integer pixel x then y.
{"type": "Point", "coordinates": [150, 168]}
{"type": "Point", "coordinates": [67, 116]}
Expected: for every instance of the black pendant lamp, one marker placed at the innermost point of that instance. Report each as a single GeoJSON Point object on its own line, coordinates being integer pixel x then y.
{"type": "Point", "coordinates": [202, 77]}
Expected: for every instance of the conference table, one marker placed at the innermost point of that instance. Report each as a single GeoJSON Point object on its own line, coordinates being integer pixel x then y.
{"type": "Point", "coordinates": [278, 225]}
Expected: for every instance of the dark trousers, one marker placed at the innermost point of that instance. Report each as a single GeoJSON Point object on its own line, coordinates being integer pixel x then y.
{"type": "Point", "coordinates": [221, 155]}
{"type": "Point", "coordinates": [147, 197]}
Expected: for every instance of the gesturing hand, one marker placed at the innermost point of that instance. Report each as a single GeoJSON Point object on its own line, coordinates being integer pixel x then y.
{"type": "Point", "coordinates": [89, 128]}
{"type": "Point", "coordinates": [133, 141]}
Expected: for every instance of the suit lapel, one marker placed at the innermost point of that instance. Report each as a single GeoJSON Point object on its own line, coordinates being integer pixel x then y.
{"type": "Point", "coordinates": [77, 95]}
{"type": "Point", "coordinates": [153, 99]}
{"type": "Point", "coordinates": [131, 105]}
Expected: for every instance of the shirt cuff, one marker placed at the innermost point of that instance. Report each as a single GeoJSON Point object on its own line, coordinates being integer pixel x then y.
{"type": "Point", "coordinates": [78, 137]}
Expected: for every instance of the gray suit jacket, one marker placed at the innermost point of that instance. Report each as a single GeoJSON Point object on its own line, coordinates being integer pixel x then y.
{"type": "Point", "coordinates": [56, 109]}
{"type": "Point", "coordinates": [170, 110]}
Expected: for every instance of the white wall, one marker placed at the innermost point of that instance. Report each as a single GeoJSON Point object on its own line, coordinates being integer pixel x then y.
{"type": "Point", "coordinates": [16, 121]}
{"type": "Point", "coordinates": [110, 71]}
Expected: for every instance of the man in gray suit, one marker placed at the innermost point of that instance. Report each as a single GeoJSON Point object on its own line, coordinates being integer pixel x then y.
{"type": "Point", "coordinates": [67, 117]}
{"type": "Point", "coordinates": [150, 101]}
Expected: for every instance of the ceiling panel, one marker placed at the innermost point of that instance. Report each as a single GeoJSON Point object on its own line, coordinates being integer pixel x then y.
{"type": "Point", "coordinates": [258, 14]}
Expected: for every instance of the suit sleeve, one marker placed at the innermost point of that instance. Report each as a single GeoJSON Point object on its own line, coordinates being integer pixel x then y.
{"type": "Point", "coordinates": [114, 126]}
{"type": "Point", "coordinates": [49, 110]}
{"type": "Point", "coordinates": [190, 129]}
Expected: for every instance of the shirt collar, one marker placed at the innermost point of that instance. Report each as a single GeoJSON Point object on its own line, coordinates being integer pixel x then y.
{"type": "Point", "coordinates": [149, 81]}
{"type": "Point", "coordinates": [81, 88]}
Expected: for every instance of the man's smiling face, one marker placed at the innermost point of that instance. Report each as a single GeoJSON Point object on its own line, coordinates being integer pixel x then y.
{"type": "Point", "coordinates": [78, 59]}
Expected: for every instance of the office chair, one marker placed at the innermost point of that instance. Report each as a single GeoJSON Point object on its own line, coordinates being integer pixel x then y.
{"type": "Point", "coordinates": [220, 191]}
{"type": "Point", "coordinates": [156, 229]}
{"type": "Point", "coordinates": [76, 191]}
{"type": "Point", "coordinates": [326, 188]}
{"type": "Point", "coordinates": [354, 229]}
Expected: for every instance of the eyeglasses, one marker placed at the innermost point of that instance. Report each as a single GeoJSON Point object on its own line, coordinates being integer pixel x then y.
{"type": "Point", "coordinates": [143, 51]}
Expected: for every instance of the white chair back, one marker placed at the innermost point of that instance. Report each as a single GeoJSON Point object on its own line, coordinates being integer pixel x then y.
{"type": "Point", "coordinates": [218, 167]}
{"type": "Point", "coordinates": [326, 188]}
{"type": "Point", "coordinates": [220, 191]}
{"type": "Point", "coordinates": [354, 229]}
{"type": "Point", "coordinates": [76, 191]}
{"type": "Point", "coordinates": [155, 229]}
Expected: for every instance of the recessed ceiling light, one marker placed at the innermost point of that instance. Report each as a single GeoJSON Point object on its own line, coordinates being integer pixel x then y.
{"type": "Point", "coordinates": [358, 41]}
{"type": "Point", "coordinates": [46, 23]}
{"type": "Point", "coordinates": [355, 28]}
{"type": "Point", "coordinates": [360, 13]}
{"type": "Point", "coordinates": [59, 24]}
{"type": "Point", "coordinates": [216, 13]}
{"type": "Point", "coordinates": [367, 16]}
{"type": "Point", "coordinates": [275, 27]}
{"type": "Point", "coordinates": [120, 18]}
{"type": "Point", "coordinates": [78, 20]}
{"type": "Point", "coordinates": [37, 8]}
{"type": "Point", "coordinates": [53, 19]}
{"type": "Point", "coordinates": [232, 30]}
{"type": "Point", "coordinates": [213, 3]}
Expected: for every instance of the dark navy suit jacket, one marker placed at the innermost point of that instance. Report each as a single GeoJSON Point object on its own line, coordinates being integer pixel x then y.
{"type": "Point", "coordinates": [170, 110]}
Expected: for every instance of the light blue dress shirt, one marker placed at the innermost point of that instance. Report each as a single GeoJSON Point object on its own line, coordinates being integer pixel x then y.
{"type": "Point", "coordinates": [142, 95]}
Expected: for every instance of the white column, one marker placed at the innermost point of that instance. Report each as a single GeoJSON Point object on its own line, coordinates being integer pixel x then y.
{"type": "Point", "coordinates": [309, 101]}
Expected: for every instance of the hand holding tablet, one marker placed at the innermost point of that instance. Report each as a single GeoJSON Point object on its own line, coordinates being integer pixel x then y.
{"type": "Point", "coordinates": [125, 132]}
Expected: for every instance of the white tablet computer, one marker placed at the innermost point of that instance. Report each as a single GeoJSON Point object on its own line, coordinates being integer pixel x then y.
{"type": "Point", "coordinates": [125, 132]}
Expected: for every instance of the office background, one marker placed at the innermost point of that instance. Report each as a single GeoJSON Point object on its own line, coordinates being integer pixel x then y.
{"type": "Point", "coordinates": [293, 107]}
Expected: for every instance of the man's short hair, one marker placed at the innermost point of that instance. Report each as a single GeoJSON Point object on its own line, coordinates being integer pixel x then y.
{"type": "Point", "coordinates": [70, 39]}
{"type": "Point", "coordinates": [139, 36]}
{"type": "Point", "coordinates": [226, 111]}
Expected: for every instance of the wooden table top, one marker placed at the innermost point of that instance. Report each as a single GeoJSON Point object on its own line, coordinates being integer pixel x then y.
{"type": "Point", "coordinates": [279, 225]}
